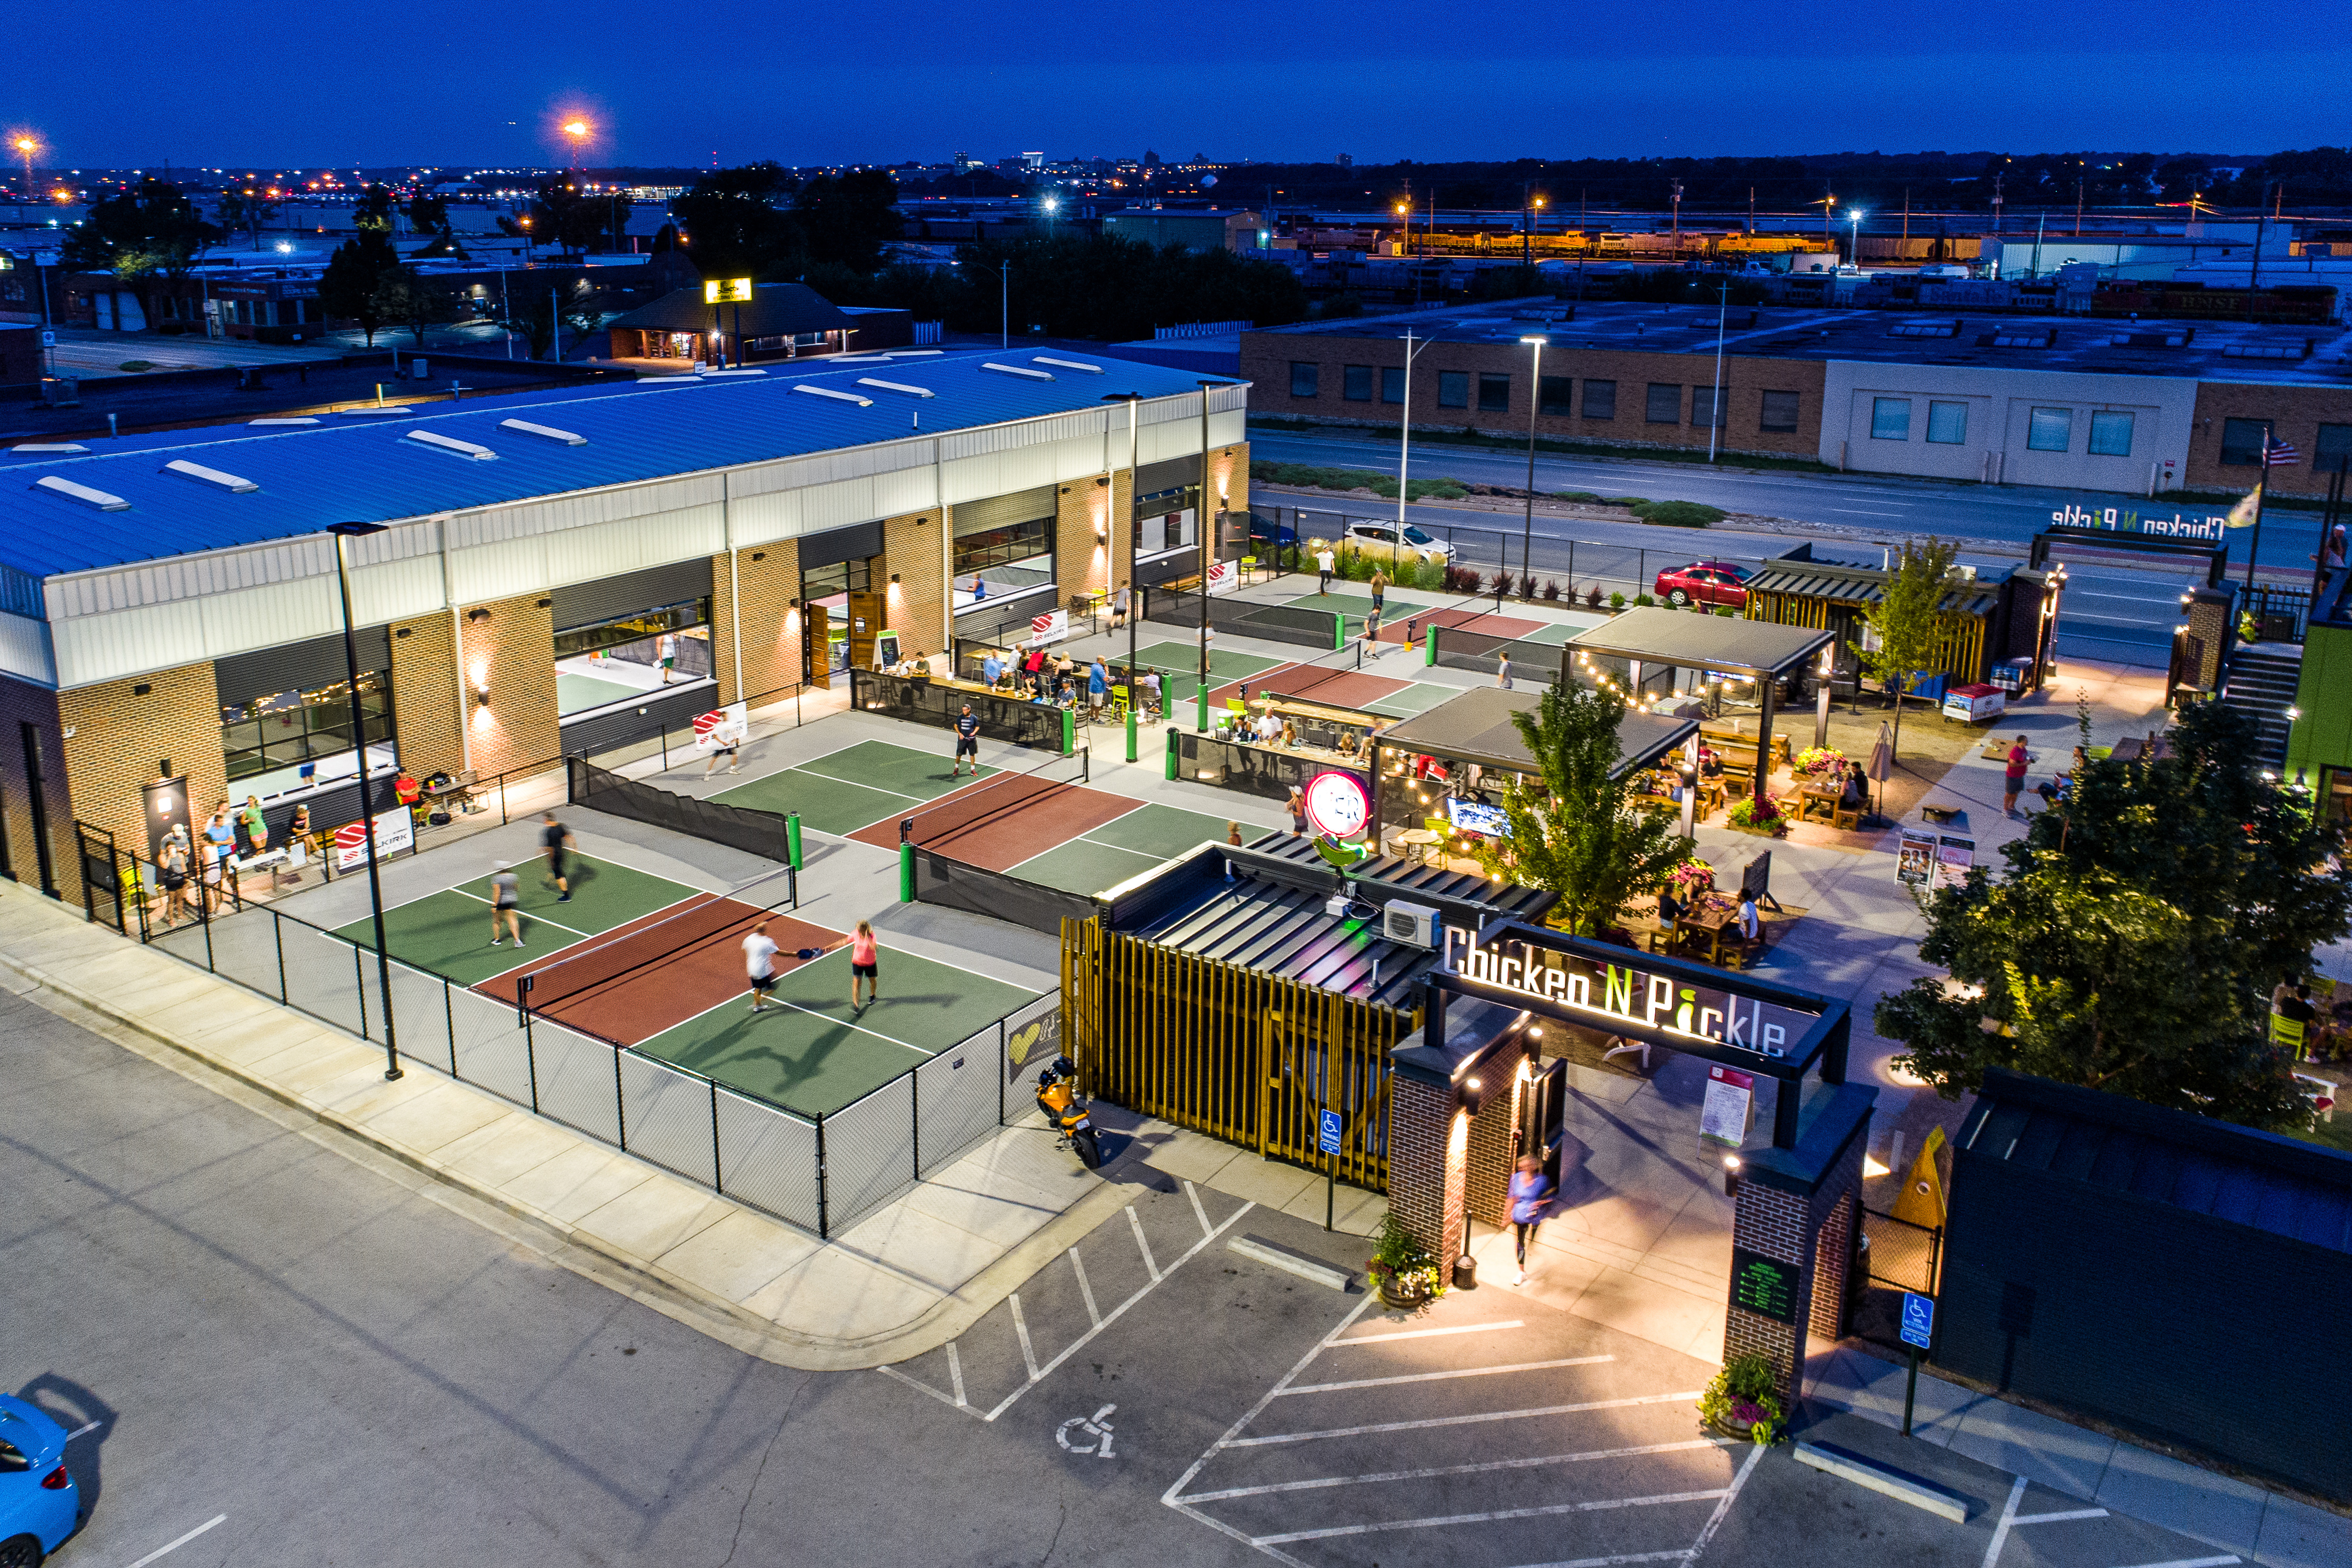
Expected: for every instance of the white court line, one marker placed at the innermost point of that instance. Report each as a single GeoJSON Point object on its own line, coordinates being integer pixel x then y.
{"type": "Point", "coordinates": [539, 919]}
{"type": "Point", "coordinates": [736, 999]}
{"type": "Point", "coordinates": [1143, 1245]}
{"type": "Point", "coordinates": [1722, 1510]}
{"type": "Point", "coordinates": [2067, 1517]}
{"type": "Point", "coordinates": [854, 784]}
{"type": "Point", "coordinates": [1116, 1313]}
{"type": "Point", "coordinates": [1441, 1376]}
{"type": "Point", "coordinates": [1601, 1505]}
{"type": "Point", "coordinates": [1428, 1422]}
{"type": "Point", "coordinates": [175, 1545]}
{"type": "Point", "coordinates": [1021, 1327]}
{"type": "Point", "coordinates": [1480, 1466]}
{"type": "Point", "coordinates": [2008, 1517]}
{"type": "Point", "coordinates": [1421, 1333]}
{"type": "Point", "coordinates": [1094, 1314]}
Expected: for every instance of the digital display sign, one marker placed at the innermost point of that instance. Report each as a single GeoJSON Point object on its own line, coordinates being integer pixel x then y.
{"type": "Point", "coordinates": [1764, 1286]}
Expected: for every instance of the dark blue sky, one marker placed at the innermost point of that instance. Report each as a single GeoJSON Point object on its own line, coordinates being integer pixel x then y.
{"type": "Point", "coordinates": [438, 82]}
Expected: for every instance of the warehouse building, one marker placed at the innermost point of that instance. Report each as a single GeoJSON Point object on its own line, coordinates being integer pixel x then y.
{"type": "Point", "coordinates": [168, 602]}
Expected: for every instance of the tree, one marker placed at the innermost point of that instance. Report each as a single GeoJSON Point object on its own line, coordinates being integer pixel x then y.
{"type": "Point", "coordinates": [148, 231]}
{"type": "Point", "coordinates": [1574, 830]}
{"type": "Point", "coordinates": [245, 211]}
{"type": "Point", "coordinates": [373, 211]}
{"type": "Point", "coordinates": [536, 325]}
{"type": "Point", "coordinates": [848, 218]}
{"type": "Point", "coordinates": [734, 223]}
{"type": "Point", "coordinates": [1909, 622]}
{"type": "Point", "coordinates": [2131, 945]}
{"type": "Point", "coordinates": [353, 284]}
{"type": "Point", "coordinates": [405, 299]}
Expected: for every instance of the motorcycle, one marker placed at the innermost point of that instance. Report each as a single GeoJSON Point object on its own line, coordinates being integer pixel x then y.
{"type": "Point", "coordinates": [1057, 1098]}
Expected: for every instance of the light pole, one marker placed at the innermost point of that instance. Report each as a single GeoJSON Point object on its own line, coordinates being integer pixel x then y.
{"type": "Point", "coordinates": [1535, 341]}
{"type": "Point", "coordinates": [1854, 216]}
{"type": "Point", "coordinates": [1134, 594]}
{"type": "Point", "coordinates": [1405, 424]}
{"type": "Point", "coordinates": [1051, 206]}
{"type": "Point", "coordinates": [578, 130]}
{"type": "Point", "coordinates": [1004, 303]}
{"type": "Point", "coordinates": [27, 146]}
{"type": "Point", "coordinates": [1533, 211]}
{"type": "Point", "coordinates": [1715, 404]}
{"type": "Point", "coordinates": [344, 533]}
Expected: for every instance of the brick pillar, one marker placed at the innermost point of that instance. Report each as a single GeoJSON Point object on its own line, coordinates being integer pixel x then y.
{"type": "Point", "coordinates": [424, 705]}
{"type": "Point", "coordinates": [1494, 1149]}
{"type": "Point", "coordinates": [912, 551]}
{"type": "Point", "coordinates": [1810, 1224]}
{"type": "Point", "coordinates": [771, 627]}
{"type": "Point", "coordinates": [2211, 622]}
{"type": "Point", "coordinates": [104, 743]}
{"type": "Point", "coordinates": [511, 653]}
{"type": "Point", "coordinates": [1769, 1221]}
{"type": "Point", "coordinates": [1427, 1146]}
{"type": "Point", "coordinates": [1833, 1250]}
{"type": "Point", "coordinates": [1081, 535]}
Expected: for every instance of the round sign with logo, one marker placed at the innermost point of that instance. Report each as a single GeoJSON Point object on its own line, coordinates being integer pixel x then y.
{"type": "Point", "coordinates": [1337, 804]}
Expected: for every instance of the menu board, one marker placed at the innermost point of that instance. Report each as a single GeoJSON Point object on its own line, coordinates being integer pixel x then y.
{"type": "Point", "coordinates": [1764, 1286]}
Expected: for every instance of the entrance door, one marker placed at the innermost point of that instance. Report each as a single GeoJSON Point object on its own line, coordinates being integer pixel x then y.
{"type": "Point", "coordinates": [865, 621]}
{"type": "Point", "coordinates": [37, 795]}
{"type": "Point", "coordinates": [816, 646]}
{"type": "Point", "coordinates": [1544, 1130]}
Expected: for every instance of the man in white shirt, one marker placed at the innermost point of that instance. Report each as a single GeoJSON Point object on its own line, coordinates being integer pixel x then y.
{"type": "Point", "coordinates": [667, 650]}
{"type": "Point", "coordinates": [759, 964]}
{"type": "Point", "coordinates": [1748, 924]}
{"type": "Point", "coordinates": [1323, 563]}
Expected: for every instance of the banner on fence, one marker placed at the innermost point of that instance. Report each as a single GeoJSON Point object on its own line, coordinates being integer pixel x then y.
{"type": "Point", "coordinates": [395, 830]}
{"type": "Point", "coordinates": [1053, 625]}
{"type": "Point", "coordinates": [1028, 1047]}
{"type": "Point", "coordinates": [1224, 576]}
{"type": "Point", "coordinates": [721, 729]}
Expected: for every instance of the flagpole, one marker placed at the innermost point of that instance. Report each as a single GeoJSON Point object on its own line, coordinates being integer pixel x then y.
{"type": "Point", "coordinates": [2261, 490]}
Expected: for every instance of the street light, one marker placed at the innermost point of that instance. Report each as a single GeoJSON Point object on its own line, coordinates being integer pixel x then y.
{"type": "Point", "coordinates": [344, 533]}
{"type": "Point", "coordinates": [1535, 341]}
{"type": "Point", "coordinates": [1853, 217]}
{"type": "Point", "coordinates": [578, 130]}
{"type": "Point", "coordinates": [27, 146]}
{"type": "Point", "coordinates": [1526, 236]}
{"type": "Point", "coordinates": [1404, 425]}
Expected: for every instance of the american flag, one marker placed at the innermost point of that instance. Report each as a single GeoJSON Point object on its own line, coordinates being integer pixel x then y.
{"type": "Point", "coordinates": [2279, 455]}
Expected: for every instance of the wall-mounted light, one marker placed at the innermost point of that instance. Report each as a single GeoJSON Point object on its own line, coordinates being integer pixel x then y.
{"type": "Point", "coordinates": [543, 604]}
{"type": "Point", "coordinates": [141, 689]}
{"type": "Point", "coordinates": [477, 615]}
{"type": "Point", "coordinates": [481, 697]}
{"type": "Point", "coordinates": [759, 556]}
{"type": "Point", "coordinates": [1731, 1175]}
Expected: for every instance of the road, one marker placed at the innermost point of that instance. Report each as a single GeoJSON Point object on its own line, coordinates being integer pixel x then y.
{"type": "Point", "coordinates": [272, 1352]}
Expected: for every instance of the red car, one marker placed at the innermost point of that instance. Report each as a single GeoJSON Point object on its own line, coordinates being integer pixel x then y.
{"type": "Point", "coordinates": [1704, 582]}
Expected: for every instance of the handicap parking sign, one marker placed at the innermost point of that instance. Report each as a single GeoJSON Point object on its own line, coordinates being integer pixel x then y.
{"type": "Point", "coordinates": [1330, 1142]}
{"type": "Point", "coordinates": [1918, 1319]}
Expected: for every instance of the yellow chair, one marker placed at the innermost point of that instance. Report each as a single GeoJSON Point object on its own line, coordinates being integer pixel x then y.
{"type": "Point", "coordinates": [2290, 1034]}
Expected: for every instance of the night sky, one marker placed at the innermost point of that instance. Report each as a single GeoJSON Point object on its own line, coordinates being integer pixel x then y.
{"type": "Point", "coordinates": [464, 84]}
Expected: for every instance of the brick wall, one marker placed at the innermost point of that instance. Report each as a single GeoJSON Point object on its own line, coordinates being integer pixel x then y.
{"type": "Point", "coordinates": [424, 700]}
{"type": "Point", "coordinates": [23, 704]}
{"type": "Point", "coordinates": [1813, 1231]}
{"type": "Point", "coordinates": [1082, 518]}
{"type": "Point", "coordinates": [2295, 413]}
{"type": "Point", "coordinates": [771, 637]}
{"type": "Point", "coordinates": [511, 652]}
{"type": "Point", "coordinates": [2212, 626]}
{"type": "Point", "coordinates": [911, 550]}
{"type": "Point", "coordinates": [1267, 358]}
{"type": "Point", "coordinates": [123, 735]}
{"type": "Point", "coordinates": [1421, 1116]}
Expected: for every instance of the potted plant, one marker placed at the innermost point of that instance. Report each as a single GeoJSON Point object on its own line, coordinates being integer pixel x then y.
{"type": "Point", "coordinates": [1401, 1270]}
{"type": "Point", "coordinates": [1691, 878]}
{"type": "Point", "coordinates": [1753, 814]}
{"type": "Point", "coordinates": [1744, 1400]}
{"type": "Point", "coordinates": [1814, 762]}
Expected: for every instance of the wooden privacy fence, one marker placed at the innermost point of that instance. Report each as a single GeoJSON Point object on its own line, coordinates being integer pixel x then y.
{"type": "Point", "coordinates": [1238, 1053]}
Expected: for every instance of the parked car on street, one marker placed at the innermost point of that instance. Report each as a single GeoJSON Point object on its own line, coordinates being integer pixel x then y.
{"type": "Point", "coordinates": [1424, 545]}
{"type": "Point", "coordinates": [1704, 582]}
{"type": "Point", "coordinates": [39, 1504]}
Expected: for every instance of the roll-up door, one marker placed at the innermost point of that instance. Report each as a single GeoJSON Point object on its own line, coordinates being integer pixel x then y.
{"type": "Point", "coordinates": [1003, 511]}
{"type": "Point", "coordinates": [609, 598]}
{"type": "Point", "coordinates": [303, 666]}
{"type": "Point", "coordinates": [858, 542]}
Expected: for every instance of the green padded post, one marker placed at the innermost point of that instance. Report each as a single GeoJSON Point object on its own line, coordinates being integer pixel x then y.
{"type": "Point", "coordinates": [906, 873]}
{"type": "Point", "coordinates": [793, 839]}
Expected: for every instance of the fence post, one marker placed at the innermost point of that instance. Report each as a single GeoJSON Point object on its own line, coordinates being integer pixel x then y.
{"type": "Point", "coordinates": [1571, 569]}
{"type": "Point", "coordinates": [204, 917]}
{"type": "Point", "coordinates": [620, 1105]}
{"type": "Point", "coordinates": [359, 977]}
{"type": "Point", "coordinates": [449, 1026]}
{"type": "Point", "coordinates": [718, 1171]}
{"type": "Point", "coordinates": [530, 1061]}
{"type": "Point", "coordinates": [823, 1229]}
{"type": "Point", "coordinates": [915, 1118]}
{"type": "Point", "coordinates": [278, 931]}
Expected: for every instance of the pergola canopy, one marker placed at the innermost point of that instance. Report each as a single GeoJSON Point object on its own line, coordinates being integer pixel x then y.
{"type": "Point", "coordinates": [1654, 636]}
{"type": "Point", "coordinates": [1478, 727]}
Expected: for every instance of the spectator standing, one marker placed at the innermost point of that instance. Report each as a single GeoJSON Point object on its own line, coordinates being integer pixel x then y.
{"type": "Point", "coordinates": [1323, 563]}
{"type": "Point", "coordinates": [2013, 777]}
{"type": "Point", "coordinates": [1296, 806]}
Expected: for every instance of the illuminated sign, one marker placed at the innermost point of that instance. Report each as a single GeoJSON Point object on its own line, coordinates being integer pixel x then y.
{"type": "Point", "coordinates": [1622, 993]}
{"type": "Point", "coordinates": [1337, 804]}
{"type": "Point", "coordinates": [2208, 528]}
{"type": "Point", "coordinates": [727, 292]}
{"type": "Point", "coordinates": [1764, 1286]}
{"type": "Point", "coordinates": [1477, 816]}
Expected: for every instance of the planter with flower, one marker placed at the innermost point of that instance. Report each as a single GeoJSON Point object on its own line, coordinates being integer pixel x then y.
{"type": "Point", "coordinates": [1401, 1270]}
{"type": "Point", "coordinates": [1744, 1400]}
{"type": "Point", "coordinates": [1759, 815]}
{"type": "Point", "coordinates": [1690, 879]}
{"type": "Point", "coordinates": [1817, 762]}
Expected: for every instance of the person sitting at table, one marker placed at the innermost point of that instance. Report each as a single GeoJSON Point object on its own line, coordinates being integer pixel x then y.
{"type": "Point", "coordinates": [1290, 735]}
{"type": "Point", "coordinates": [1150, 684]}
{"type": "Point", "coordinates": [1710, 763]}
{"type": "Point", "coordinates": [1749, 925]}
{"type": "Point", "coordinates": [991, 669]}
{"type": "Point", "coordinates": [1670, 909]}
{"type": "Point", "coordinates": [1348, 745]}
{"type": "Point", "coordinates": [1855, 791]}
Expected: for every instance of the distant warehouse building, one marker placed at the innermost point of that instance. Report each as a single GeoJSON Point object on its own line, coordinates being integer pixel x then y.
{"type": "Point", "coordinates": [2133, 407]}
{"type": "Point", "coordinates": [1197, 229]}
{"type": "Point", "coordinates": [169, 604]}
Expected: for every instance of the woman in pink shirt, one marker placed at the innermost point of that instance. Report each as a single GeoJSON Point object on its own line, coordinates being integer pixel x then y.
{"type": "Point", "coordinates": [865, 968]}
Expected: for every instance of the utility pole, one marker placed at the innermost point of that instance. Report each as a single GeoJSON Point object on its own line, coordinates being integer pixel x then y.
{"type": "Point", "coordinates": [2254, 275]}
{"type": "Point", "coordinates": [1829, 208]}
{"type": "Point", "coordinates": [1677, 238]}
{"type": "Point", "coordinates": [1751, 209]}
{"type": "Point", "coordinates": [2078, 206]}
{"type": "Point", "coordinates": [1004, 303]}
{"type": "Point", "coordinates": [1906, 214]}
{"type": "Point", "coordinates": [1714, 407]}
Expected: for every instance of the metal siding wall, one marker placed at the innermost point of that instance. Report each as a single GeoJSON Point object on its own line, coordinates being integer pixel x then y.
{"type": "Point", "coordinates": [107, 648]}
{"type": "Point", "coordinates": [999, 511]}
{"type": "Point", "coordinates": [395, 592]}
{"type": "Point", "coordinates": [24, 649]}
{"type": "Point", "coordinates": [278, 613]}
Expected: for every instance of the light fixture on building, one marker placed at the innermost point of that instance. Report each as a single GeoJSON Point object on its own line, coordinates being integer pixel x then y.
{"type": "Point", "coordinates": [477, 615]}
{"type": "Point", "coordinates": [1731, 1175]}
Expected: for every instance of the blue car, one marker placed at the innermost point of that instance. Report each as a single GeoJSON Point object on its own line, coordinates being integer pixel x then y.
{"type": "Point", "coordinates": [39, 1504]}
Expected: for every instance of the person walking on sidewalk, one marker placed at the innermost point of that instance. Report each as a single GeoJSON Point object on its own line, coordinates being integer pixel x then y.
{"type": "Point", "coordinates": [760, 964]}
{"type": "Point", "coordinates": [1118, 604]}
{"type": "Point", "coordinates": [865, 967]}
{"type": "Point", "coordinates": [506, 899]}
{"type": "Point", "coordinates": [555, 839]}
{"type": "Point", "coordinates": [1323, 563]}
{"type": "Point", "coordinates": [1530, 1195]}
{"type": "Point", "coordinates": [2013, 777]}
{"type": "Point", "coordinates": [967, 729]}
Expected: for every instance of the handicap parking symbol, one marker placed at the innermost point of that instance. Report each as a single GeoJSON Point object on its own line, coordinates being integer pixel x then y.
{"type": "Point", "coordinates": [1097, 1431]}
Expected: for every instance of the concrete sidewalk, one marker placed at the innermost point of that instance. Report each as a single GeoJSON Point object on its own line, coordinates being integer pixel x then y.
{"type": "Point", "coordinates": [905, 1279]}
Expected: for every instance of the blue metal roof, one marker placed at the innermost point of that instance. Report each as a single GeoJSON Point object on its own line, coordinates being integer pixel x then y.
{"type": "Point", "coordinates": [364, 468]}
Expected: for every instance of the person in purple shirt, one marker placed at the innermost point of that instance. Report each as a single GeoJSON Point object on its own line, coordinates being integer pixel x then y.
{"type": "Point", "coordinates": [1532, 1193]}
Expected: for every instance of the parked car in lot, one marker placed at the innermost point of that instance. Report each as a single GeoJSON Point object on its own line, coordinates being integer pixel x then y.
{"type": "Point", "coordinates": [1424, 545]}
{"type": "Point", "coordinates": [1704, 582]}
{"type": "Point", "coordinates": [39, 1504]}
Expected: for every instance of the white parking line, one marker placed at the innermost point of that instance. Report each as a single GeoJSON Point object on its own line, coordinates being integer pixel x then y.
{"type": "Point", "coordinates": [1722, 1510]}
{"type": "Point", "coordinates": [1434, 1421]}
{"type": "Point", "coordinates": [1423, 1334]}
{"type": "Point", "coordinates": [1021, 1327]}
{"type": "Point", "coordinates": [1680, 1554]}
{"type": "Point", "coordinates": [955, 1375]}
{"type": "Point", "coordinates": [1094, 1313]}
{"type": "Point", "coordinates": [1441, 1376]}
{"type": "Point", "coordinates": [2008, 1517]}
{"type": "Point", "coordinates": [1322, 1483]}
{"type": "Point", "coordinates": [1198, 1213]}
{"type": "Point", "coordinates": [1143, 1245]}
{"type": "Point", "coordinates": [175, 1545]}
{"type": "Point", "coordinates": [2068, 1516]}
{"type": "Point", "coordinates": [1600, 1505]}
{"type": "Point", "coordinates": [920, 1386]}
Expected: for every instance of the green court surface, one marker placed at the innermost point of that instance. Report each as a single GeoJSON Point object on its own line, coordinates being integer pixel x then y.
{"type": "Point", "coordinates": [1177, 661]}
{"type": "Point", "coordinates": [578, 693]}
{"type": "Point", "coordinates": [1123, 847]}
{"type": "Point", "coordinates": [448, 932]}
{"type": "Point", "coordinates": [1356, 606]}
{"type": "Point", "coordinates": [1552, 635]}
{"type": "Point", "coordinates": [812, 1055]}
{"type": "Point", "coordinates": [849, 789]}
{"type": "Point", "coordinates": [1418, 698]}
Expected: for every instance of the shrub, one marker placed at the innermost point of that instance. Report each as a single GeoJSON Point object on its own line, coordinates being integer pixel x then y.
{"type": "Point", "coordinates": [1616, 601]}
{"type": "Point", "coordinates": [1551, 589]}
{"type": "Point", "coordinates": [1527, 587]}
{"type": "Point", "coordinates": [1643, 602]}
{"type": "Point", "coordinates": [1678, 513]}
{"type": "Point", "coordinates": [1628, 501]}
{"type": "Point", "coordinates": [1592, 596]}
{"type": "Point", "coordinates": [1396, 1255]}
{"type": "Point", "coordinates": [1752, 814]}
{"type": "Point", "coordinates": [1727, 612]}
{"type": "Point", "coordinates": [1461, 580]}
{"type": "Point", "coordinates": [1430, 577]}
{"type": "Point", "coordinates": [1309, 476]}
{"type": "Point", "coordinates": [1744, 1394]}
{"type": "Point", "coordinates": [1586, 497]}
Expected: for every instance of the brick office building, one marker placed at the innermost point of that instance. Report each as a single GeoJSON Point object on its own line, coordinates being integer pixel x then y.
{"type": "Point", "coordinates": [170, 598]}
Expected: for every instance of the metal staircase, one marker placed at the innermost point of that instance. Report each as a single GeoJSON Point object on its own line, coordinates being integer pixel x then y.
{"type": "Point", "coordinates": [2262, 682]}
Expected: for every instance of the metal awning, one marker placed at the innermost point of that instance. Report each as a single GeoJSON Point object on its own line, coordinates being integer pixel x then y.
{"type": "Point", "coordinates": [1478, 727]}
{"type": "Point", "coordinates": [1861, 587]}
{"type": "Point", "coordinates": [1711, 642]}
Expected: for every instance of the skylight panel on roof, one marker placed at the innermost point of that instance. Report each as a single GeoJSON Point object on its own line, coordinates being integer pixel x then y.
{"type": "Point", "coordinates": [214, 476]}
{"type": "Point", "coordinates": [544, 432]}
{"type": "Point", "coordinates": [1077, 365]}
{"type": "Point", "coordinates": [911, 354]}
{"type": "Point", "coordinates": [837, 396]}
{"type": "Point", "coordinates": [49, 447]}
{"type": "Point", "coordinates": [83, 493]}
{"type": "Point", "coordinates": [861, 359]}
{"type": "Point", "coordinates": [451, 444]}
{"type": "Point", "coordinates": [714, 374]}
{"type": "Point", "coordinates": [1020, 370]}
{"type": "Point", "coordinates": [895, 386]}
{"type": "Point", "coordinates": [299, 420]}
{"type": "Point", "coordinates": [372, 409]}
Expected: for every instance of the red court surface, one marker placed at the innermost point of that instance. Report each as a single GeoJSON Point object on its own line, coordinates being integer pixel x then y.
{"type": "Point", "coordinates": [1484, 621]}
{"type": "Point", "coordinates": [1333, 687]}
{"type": "Point", "coordinates": [1005, 820]}
{"type": "Point", "coordinates": [638, 980]}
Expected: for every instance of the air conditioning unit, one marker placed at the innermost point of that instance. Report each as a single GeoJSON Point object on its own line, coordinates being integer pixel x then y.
{"type": "Point", "coordinates": [1415, 924]}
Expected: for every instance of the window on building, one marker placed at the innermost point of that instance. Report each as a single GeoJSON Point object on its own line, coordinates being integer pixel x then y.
{"type": "Point", "coordinates": [1391, 384]}
{"type": "Point", "coordinates": [1165, 521]}
{"type": "Point", "coordinates": [1703, 407]}
{"type": "Point", "coordinates": [1304, 377]}
{"type": "Point", "coordinates": [1005, 546]}
{"type": "Point", "coordinates": [1556, 395]}
{"type": "Point", "coordinates": [2241, 443]}
{"type": "Point", "coordinates": [1947, 424]}
{"type": "Point", "coordinates": [2333, 450]}
{"type": "Point", "coordinates": [1665, 405]}
{"type": "Point", "coordinates": [2049, 430]}
{"type": "Point", "coordinates": [1779, 412]}
{"type": "Point", "coordinates": [288, 729]}
{"type": "Point", "coordinates": [1890, 419]}
{"type": "Point", "coordinates": [573, 642]}
{"type": "Point", "coordinates": [2111, 434]}
{"type": "Point", "coordinates": [1601, 400]}
{"type": "Point", "coordinates": [1358, 383]}
{"type": "Point", "coordinates": [1454, 389]}
{"type": "Point", "coordinates": [1494, 394]}
{"type": "Point", "coordinates": [853, 576]}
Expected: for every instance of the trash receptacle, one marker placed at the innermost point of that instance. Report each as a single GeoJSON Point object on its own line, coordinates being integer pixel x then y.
{"type": "Point", "coordinates": [1465, 1273]}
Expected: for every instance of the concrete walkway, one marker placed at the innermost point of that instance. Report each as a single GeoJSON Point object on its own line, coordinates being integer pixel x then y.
{"type": "Point", "coordinates": [905, 1279]}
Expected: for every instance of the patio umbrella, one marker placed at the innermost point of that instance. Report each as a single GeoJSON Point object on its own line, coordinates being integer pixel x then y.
{"type": "Point", "coordinates": [1881, 767]}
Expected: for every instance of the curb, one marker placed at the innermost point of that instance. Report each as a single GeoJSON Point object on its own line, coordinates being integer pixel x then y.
{"type": "Point", "coordinates": [592, 1256]}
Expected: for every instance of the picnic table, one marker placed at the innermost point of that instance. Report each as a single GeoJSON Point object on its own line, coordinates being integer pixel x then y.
{"type": "Point", "coordinates": [1819, 802]}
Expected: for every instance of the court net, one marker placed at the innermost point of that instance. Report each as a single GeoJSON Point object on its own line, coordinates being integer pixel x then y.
{"type": "Point", "coordinates": [994, 799]}
{"type": "Point", "coordinates": [635, 950]}
{"type": "Point", "coordinates": [743, 827]}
